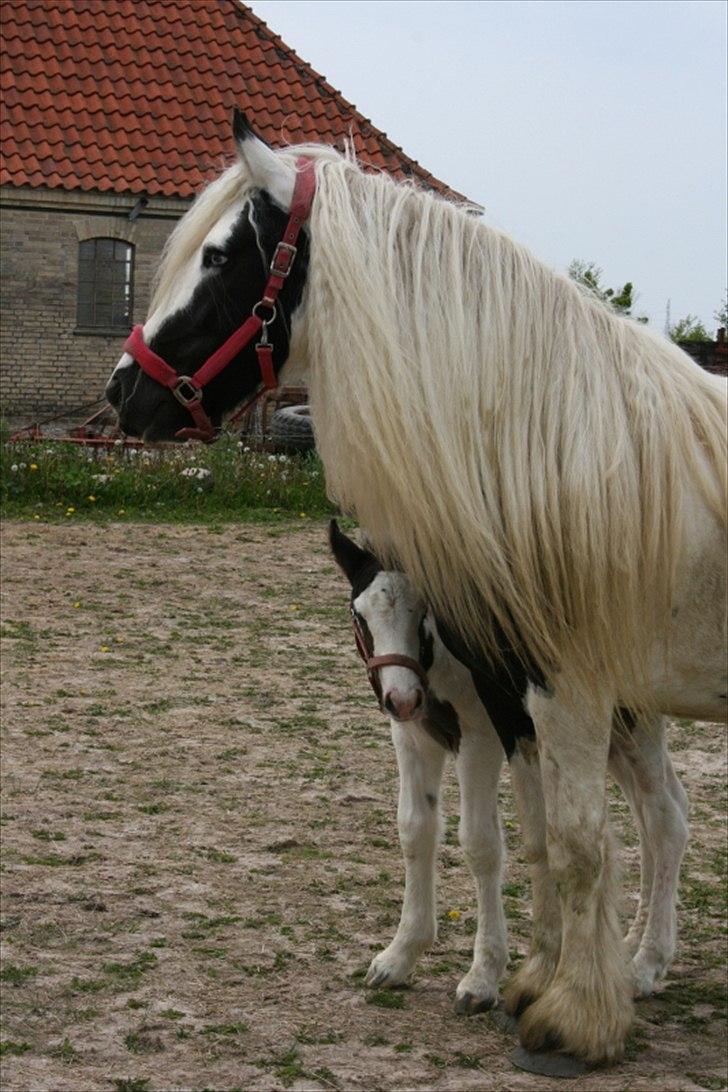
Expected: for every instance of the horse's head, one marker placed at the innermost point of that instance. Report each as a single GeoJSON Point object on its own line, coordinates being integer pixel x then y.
{"type": "Point", "coordinates": [214, 273]}
{"type": "Point", "coordinates": [390, 622]}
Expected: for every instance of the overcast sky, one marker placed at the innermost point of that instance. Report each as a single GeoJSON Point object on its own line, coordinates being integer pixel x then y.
{"type": "Point", "coordinates": [587, 129]}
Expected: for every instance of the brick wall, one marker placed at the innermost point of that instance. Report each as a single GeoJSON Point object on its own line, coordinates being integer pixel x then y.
{"type": "Point", "coordinates": [45, 366]}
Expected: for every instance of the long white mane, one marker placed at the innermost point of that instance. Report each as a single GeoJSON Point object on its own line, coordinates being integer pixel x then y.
{"type": "Point", "coordinates": [521, 451]}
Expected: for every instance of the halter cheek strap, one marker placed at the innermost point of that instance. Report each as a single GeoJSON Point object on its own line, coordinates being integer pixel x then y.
{"type": "Point", "coordinates": [392, 659]}
{"type": "Point", "coordinates": [188, 389]}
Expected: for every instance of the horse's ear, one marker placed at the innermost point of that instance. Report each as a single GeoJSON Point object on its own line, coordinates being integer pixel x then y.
{"type": "Point", "coordinates": [350, 558]}
{"type": "Point", "coordinates": [267, 170]}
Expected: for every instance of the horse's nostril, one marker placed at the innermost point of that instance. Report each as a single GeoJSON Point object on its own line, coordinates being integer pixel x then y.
{"type": "Point", "coordinates": [389, 706]}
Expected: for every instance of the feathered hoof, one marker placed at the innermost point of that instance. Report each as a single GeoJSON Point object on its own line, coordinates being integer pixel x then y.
{"type": "Point", "coordinates": [528, 983]}
{"type": "Point", "coordinates": [572, 1022]}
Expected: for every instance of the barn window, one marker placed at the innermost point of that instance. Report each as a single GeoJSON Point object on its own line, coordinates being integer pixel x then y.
{"type": "Point", "coordinates": [105, 284]}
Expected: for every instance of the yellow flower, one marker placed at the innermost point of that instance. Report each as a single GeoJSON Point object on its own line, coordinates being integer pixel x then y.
{"type": "Point", "coordinates": [70, 511]}
{"type": "Point", "coordinates": [77, 605]}
{"type": "Point", "coordinates": [301, 515]}
{"type": "Point", "coordinates": [104, 648]}
{"type": "Point", "coordinates": [33, 466]}
{"type": "Point", "coordinates": [121, 512]}
{"type": "Point", "coordinates": [36, 517]}
{"type": "Point", "coordinates": [91, 498]}
{"type": "Point", "coordinates": [454, 915]}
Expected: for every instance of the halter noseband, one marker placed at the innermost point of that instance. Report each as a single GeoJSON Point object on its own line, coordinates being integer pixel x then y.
{"type": "Point", "coordinates": [374, 663]}
{"type": "Point", "coordinates": [188, 389]}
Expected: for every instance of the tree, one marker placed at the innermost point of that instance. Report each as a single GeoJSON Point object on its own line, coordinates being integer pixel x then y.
{"type": "Point", "coordinates": [621, 300]}
{"type": "Point", "coordinates": [689, 328]}
{"type": "Point", "coordinates": [721, 315]}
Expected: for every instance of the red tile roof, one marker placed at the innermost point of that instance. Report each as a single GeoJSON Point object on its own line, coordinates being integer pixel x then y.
{"type": "Point", "coordinates": [137, 95]}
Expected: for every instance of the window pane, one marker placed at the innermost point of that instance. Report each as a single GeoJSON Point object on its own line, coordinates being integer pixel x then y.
{"type": "Point", "coordinates": [105, 275]}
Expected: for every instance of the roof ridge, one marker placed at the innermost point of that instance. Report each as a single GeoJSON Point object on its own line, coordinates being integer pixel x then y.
{"type": "Point", "coordinates": [276, 39]}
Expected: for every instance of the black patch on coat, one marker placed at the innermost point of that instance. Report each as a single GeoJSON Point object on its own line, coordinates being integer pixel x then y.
{"type": "Point", "coordinates": [501, 687]}
{"type": "Point", "coordinates": [442, 724]}
{"type": "Point", "coordinates": [427, 646]}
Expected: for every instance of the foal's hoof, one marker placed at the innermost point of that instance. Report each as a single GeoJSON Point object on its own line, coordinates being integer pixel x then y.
{"type": "Point", "coordinates": [548, 1065]}
{"type": "Point", "coordinates": [468, 1004]}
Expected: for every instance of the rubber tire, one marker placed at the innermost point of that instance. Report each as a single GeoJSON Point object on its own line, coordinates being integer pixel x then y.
{"type": "Point", "coordinates": [291, 428]}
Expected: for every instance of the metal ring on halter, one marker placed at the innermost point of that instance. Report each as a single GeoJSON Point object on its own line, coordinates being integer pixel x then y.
{"type": "Point", "coordinates": [271, 307]}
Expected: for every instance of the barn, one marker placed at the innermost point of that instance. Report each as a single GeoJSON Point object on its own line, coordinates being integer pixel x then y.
{"type": "Point", "coordinates": [114, 116]}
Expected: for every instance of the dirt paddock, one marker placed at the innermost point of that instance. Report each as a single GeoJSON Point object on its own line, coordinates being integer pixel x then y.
{"type": "Point", "coordinates": [200, 853]}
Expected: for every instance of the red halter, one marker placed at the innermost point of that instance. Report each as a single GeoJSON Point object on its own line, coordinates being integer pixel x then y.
{"type": "Point", "coordinates": [374, 663]}
{"type": "Point", "coordinates": [188, 389]}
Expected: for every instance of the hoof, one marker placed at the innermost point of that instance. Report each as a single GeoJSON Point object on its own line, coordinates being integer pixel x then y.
{"type": "Point", "coordinates": [504, 1021]}
{"type": "Point", "coordinates": [468, 1004]}
{"type": "Point", "coordinates": [548, 1065]}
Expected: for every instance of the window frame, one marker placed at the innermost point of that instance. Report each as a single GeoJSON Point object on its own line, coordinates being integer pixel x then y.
{"type": "Point", "coordinates": [101, 288]}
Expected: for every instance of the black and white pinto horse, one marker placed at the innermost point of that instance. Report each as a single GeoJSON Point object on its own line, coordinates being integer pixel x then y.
{"type": "Point", "coordinates": [443, 713]}
{"type": "Point", "coordinates": [551, 477]}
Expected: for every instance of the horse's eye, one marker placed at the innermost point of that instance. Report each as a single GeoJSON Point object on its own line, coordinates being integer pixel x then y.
{"type": "Point", "coordinates": [215, 257]}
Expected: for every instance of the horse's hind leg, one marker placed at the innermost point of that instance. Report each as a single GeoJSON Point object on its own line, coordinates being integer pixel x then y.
{"type": "Point", "coordinates": [537, 970]}
{"type": "Point", "coordinates": [586, 1009]}
{"type": "Point", "coordinates": [478, 769]}
{"type": "Point", "coordinates": [421, 763]}
{"type": "Point", "coordinates": [642, 766]}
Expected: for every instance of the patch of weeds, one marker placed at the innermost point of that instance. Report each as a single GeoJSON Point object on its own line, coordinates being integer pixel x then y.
{"type": "Point", "coordinates": [225, 1029]}
{"type": "Point", "coordinates": [87, 985]}
{"type": "Point", "coordinates": [708, 1081]}
{"type": "Point", "coordinates": [466, 1061]}
{"type": "Point", "coordinates": [386, 999]}
{"type": "Point", "coordinates": [141, 1042]}
{"type": "Point", "coordinates": [130, 1084]}
{"type": "Point", "coordinates": [132, 971]}
{"type": "Point", "coordinates": [15, 975]}
{"type": "Point", "coordinates": [49, 835]}
{"type": "Point", "coordinates": [8, 1048]}
{"type": "Point", "coordinates": [153, 809]}
{"type": "Point", "coordinates": [172, 1014]}
{"type": "Point", "coordinates": [318, 1038]}
{"type": "Point", "coordinates": [287, 1066]}
{"type": "Point", "coordinates": [436, 1060]}
{"type": "Point", "coordinates": [375, 1040]}
{"type": "Point", "coordinates": [158, 942]}
{"type": "Point", "coordinates": [65, 1051]}
{"type": "Point", "coordinates": [219, 856]}
{"type": "Point", "coordinates": [403, 1048]}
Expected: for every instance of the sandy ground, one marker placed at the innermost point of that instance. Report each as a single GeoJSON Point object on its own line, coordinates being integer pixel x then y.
{"type": "Point", "coordinates": [200, 852]}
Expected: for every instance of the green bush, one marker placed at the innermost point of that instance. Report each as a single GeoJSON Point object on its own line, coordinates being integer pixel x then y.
{"type": "Point", "coordinates": [225, 481]}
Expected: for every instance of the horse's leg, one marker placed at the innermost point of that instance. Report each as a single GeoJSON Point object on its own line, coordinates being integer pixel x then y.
{"type": "Point", "coordinates": [421, 762]}
{"type": "Point", "coordinates": [623, 771]}
{"type": "Point", "coordinates": [478, 767]}
{"type": "Point", "coordinates": [537, 970]}
{"type": "Point", "coordinates": [586, 1010]}
{"type": "Point", "coordinates": [660, 805]}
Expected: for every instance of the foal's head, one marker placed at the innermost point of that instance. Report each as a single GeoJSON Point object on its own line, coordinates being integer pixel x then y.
{"type": "Point", "coordinates": [392, 620]}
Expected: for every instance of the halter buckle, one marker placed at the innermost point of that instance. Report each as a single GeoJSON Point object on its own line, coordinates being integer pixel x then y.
{"type": "Point", "coordinates": [282, 260]}
{"type": "Point", "coordinates": [186, 392]}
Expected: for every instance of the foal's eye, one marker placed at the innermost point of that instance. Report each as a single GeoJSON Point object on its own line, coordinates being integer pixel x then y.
{"type": "Point", "coordinates": [215, 257]}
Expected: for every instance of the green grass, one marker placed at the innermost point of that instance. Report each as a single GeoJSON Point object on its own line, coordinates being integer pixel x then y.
{"type": "Point", "coordinates": [201, 484]}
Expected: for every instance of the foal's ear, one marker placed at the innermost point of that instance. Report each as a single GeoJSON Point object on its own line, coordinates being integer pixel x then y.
{"type": "Point", "coordinates": [350, 558]}
{"type": "Point", "coordinates": [267, 170]}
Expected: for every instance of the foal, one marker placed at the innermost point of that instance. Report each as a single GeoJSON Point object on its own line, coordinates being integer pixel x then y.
{"type": "Point", "coordinates": [434, 709]}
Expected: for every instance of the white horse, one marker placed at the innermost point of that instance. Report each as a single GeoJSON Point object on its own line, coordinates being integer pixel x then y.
{"type": "Point", "coordinates": [551, 476]}
{"type": "Point", "coordinates": [442, 713]}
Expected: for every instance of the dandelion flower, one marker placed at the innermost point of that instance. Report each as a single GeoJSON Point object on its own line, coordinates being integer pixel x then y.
{"type": "Point", "coordinates": [33, 466]}
{"type": "Point", "coordinates": [70, 511]}
{"type": "Point", "coordinates": [301, 515]}
{"type": "Point", "coordinates": [105, 648]}
{"type": "Point", "coordinates": [453, 915]}
{"type": "Point", "coordinates": [77, 605]}
{"type": "Point", "coordinates": [91, 497]}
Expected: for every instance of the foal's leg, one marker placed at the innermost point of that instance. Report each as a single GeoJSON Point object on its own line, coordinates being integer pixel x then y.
{"type": "Point", "coordinates": [421, 762]}
{"type": "Point", "coordinates": [587, 1008]}
{"type": "Point", "coordinates": [537, 970]}
{"type": "Point", "coordinates": [642, 766]}
{"type": "Point", "coordinates": [478, 767]}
